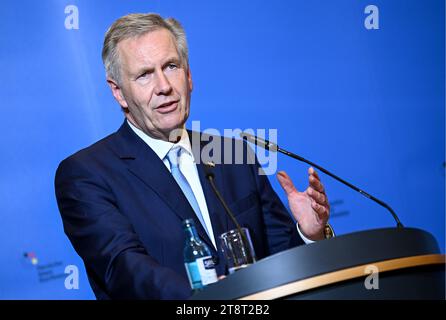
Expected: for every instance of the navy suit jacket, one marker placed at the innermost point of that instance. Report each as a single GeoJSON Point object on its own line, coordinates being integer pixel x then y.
{"type": "Point", "coordinates": [122, 211]}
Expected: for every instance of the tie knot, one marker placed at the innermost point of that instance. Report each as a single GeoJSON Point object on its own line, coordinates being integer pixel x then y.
{"type": "Point", "coordinates": [173, 156]}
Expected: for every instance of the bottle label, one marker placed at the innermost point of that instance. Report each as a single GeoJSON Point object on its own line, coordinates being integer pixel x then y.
{"type": "Point", "coordinates": [201, 272]}
{"type": "Point", "coordinates": [193, 273]}
{"type": "Point", "coordinates": [206, 267]}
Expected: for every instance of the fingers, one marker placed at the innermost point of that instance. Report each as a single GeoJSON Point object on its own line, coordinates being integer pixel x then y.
{"type": "Point", "coordinates": [314, 180]}
{"type": "Point", "coordinates": [317, 196]}
{"type": "Point", "coordinates": [286, 183]}
{"type": "Point", "coordinates": [311, 171]}
{"type": "Point", "coordinates": [316, 190]}
{"type": "Point", "coordinates": [320, 210]}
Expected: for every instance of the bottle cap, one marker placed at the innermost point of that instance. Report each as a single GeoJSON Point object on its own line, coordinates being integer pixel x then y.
{"type": "Point", "coordinates": [188, 223]}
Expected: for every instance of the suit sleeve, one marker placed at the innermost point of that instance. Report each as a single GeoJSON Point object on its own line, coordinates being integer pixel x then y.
{"type": "Point", "coordinates": [106, 241]}
{"type": "Point", "coordinates": [281, 230]}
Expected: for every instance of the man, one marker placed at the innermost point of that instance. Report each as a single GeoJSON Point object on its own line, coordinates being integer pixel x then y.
{"type": "Point", "coordinates": [121, 203]}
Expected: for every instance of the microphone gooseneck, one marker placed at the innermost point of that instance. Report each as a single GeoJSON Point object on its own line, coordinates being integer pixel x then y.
{"type": "Point", "coordinates": [275, 148]}
{"type": "Point", "coordinates": [210, 176]}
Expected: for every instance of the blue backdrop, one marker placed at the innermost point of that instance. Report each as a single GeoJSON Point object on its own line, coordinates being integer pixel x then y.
{"type": "Point", "coordinates": [367, 104]}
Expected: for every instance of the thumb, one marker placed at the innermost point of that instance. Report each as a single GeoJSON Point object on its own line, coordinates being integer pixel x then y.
{"type": "Point", "coordinates": [286, 183]}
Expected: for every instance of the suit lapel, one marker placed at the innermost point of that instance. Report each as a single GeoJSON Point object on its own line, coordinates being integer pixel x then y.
{"type": "Point", "coordinates": [143, 163]}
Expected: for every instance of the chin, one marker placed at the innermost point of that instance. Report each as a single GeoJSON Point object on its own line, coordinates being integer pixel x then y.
{"type": "Point", "coordinates": [168, 126]}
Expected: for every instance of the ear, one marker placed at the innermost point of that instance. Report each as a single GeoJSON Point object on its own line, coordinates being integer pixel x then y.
{"type": "Point", "coordinates": [117, 93]}
{"type": "Point", "coordinates": [189, 79]}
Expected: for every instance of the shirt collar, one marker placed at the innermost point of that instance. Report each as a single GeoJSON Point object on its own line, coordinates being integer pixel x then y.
{"type": "Point", "coordinates": [161, 147]}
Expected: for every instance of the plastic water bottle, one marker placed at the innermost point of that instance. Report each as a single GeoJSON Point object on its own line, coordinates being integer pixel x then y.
{"type": "Point", "coordinates": [200, 266]}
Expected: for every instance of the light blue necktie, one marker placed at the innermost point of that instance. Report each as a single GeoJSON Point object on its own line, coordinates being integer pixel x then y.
{"type": "Point", "coordinates": [173, 157]}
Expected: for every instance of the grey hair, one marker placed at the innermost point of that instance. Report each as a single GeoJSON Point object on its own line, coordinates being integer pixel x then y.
{"type": "Point", "coordinates": [135, 25]}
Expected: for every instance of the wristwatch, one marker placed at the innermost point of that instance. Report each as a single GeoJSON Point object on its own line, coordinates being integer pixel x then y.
{"type": "Point", "coordinates": [328, 232]}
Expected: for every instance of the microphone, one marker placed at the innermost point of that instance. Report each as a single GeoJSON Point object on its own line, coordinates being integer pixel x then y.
{"type": "Point", "coordinates": [275, 148]}
{"type": "Point", "coordinates": [210, 176]}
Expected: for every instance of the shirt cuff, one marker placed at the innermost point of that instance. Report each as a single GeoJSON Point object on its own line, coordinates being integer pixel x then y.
{"type": "Point", "coordinates": [305, 239]}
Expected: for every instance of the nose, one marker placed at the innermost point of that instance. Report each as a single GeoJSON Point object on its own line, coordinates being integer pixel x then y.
{"type": "Point", "coordinates": [163, 86]}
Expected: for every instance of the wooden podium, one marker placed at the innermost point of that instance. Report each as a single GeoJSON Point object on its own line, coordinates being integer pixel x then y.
{"type": "Point", "coordinates": [406, 262]}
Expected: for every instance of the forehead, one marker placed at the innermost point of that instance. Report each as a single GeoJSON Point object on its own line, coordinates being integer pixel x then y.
{"type": "Point", "coordinates": [148, 49]}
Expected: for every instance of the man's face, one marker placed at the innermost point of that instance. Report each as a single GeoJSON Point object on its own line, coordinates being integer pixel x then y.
{"type": "Point", "coordinates": [155, 85]}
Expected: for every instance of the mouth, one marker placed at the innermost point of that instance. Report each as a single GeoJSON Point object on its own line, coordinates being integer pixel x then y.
{"type": "Point", "coordinates": [167, 107]}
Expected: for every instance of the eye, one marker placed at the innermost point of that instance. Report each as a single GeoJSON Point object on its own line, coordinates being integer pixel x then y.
{"type": "Point", "coordinates": [172, 66]}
